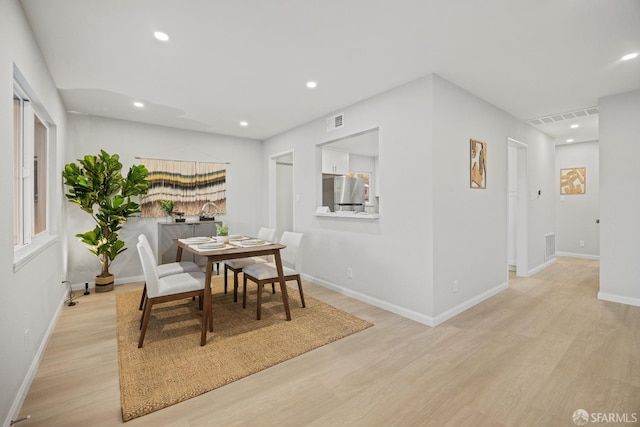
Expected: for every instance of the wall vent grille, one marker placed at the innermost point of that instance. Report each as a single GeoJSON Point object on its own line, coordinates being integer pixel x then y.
{"type": "Point", "coordinates": [335, 122]}
{"type": "Point", "coordinates": [550, 246]}
{"type": "Point", "coordinates": [564, 116]}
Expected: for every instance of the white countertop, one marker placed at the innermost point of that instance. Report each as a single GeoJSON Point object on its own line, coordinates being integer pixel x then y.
{"type": "Point", "coordinates": [350, 215]}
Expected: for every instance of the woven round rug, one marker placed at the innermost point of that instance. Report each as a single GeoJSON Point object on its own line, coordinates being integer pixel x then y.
{"type": "Point", "coordinates": [161, 373]}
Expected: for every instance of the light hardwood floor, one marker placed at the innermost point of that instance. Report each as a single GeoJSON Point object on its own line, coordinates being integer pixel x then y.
{"type": "Point", "coordinates": [530, 356]}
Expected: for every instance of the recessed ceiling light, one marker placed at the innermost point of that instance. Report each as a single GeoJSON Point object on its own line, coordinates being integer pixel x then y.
{"type": "Point", "coordinates": [244, 124]}
{"type": "Point", "coordinates": [570, 140]}
{"type": "Point", "coordinates": [312, 85]}
{"type": "Point", "coordinates": [575, 126]}
{"type": "Point", "coordinates": [629, 56]}
{"type": "Point", "coordinates": [163, 37]}
{"type": "Point", "coordinates": [138, 104]}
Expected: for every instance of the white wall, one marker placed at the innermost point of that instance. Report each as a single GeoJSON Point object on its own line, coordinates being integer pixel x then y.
{"type": "Point", "coordinates": [378, 251]}
{"type": "Point", "coordinates": [620, 198]}
{"type": "Point", "coordinates": [470, 224]}
{"type": "Point", "coordinates": [30, 297]}
{"type": "Point", "coordinates": [540, 176]}
{"type": "Point", "coordinates": [88, 134]}
{"type": "Point", "coordinates": [576, 214]}
{"type": "Point", "coordinates": [432, 229]}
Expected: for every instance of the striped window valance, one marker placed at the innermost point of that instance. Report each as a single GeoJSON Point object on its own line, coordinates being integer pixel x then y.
{"type": "Point", "coordinates": [189, 184]}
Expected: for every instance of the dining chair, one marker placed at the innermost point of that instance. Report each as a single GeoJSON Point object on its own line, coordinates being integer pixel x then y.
{"type": "Point", "coordinates": [168, 288]}
{"type": "Point", "coordinates": [236, 265]}
{"type": "Point", "coordinates": [166, 269]}
{"type": "Point", "coordinates": [267, 272]}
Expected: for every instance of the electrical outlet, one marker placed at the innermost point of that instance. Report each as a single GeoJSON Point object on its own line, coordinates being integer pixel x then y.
{"type": "Point", "coordinates": [581, 243]}
{"type": "Point", "coordinates": [455, 286]}
{"type": "Point", "coordinates": [349, 272]}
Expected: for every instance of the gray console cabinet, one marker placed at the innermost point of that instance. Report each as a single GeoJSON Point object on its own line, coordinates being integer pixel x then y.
{"type": "Point", "coordinates": [167, 231]}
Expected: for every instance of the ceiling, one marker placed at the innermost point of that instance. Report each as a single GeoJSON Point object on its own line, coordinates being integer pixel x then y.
{"type": "Point", "coordinates": [228, 61]}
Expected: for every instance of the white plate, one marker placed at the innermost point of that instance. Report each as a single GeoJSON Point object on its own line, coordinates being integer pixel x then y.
{"type": "Point", "coordinates": [211, 246]}
{"type": "Point", "coordinates": [197, 239]}
{"type": "Point", "coordinates": [236, 237]}
{"type": "Point", "coordinates": [254, 242]}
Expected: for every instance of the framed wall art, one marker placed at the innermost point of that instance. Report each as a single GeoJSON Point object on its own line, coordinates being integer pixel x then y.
{"type": "Point", "coordinates": [573, 180]}
{"type": "Point", "coordinates": [478, 164]}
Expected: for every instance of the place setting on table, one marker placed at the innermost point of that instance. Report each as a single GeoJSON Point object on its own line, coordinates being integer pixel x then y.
{"type": "Point", "coordinates": [245, 241]}
{"type": "Point", "coordinates": [204, 243]}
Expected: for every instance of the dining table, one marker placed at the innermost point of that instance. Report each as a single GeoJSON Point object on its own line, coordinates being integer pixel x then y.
{"type": "Point", "coordinates": [231, 250]}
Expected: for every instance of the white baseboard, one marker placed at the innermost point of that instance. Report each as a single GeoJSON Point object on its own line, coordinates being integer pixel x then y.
{"type": "Point", "coordinates": [118, 281]}
{"type": "Point", "coordinates": [16, 406]}
{"type": "Point", "coordinates": [454, 311]}
{"type": "Point", "coordinates": [541, 267]}
{"type": "Point", "coordinates": [583, 256]}
{"type": "Point", "coordinates": [619, 299]}
{"type": "Point", "coordinates": [409, 314]}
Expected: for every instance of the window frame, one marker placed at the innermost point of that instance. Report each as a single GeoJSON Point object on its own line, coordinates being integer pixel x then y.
{"type": "Point", "coordinates": [29, 243]}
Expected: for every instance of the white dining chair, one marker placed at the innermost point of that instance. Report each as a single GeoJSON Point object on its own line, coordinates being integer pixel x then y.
{"type": "Point", "coordinates": [166, 269]}
{"type": "Point", "coordinates": [264, 273]}
{"type": "Point", "coordinates": [236, 265]}
{"type": "Point", "coordinates": [167, 288]}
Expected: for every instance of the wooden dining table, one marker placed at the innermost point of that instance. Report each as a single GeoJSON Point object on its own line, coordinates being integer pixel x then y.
{"type": "Point", "coordinates": [232, 251]}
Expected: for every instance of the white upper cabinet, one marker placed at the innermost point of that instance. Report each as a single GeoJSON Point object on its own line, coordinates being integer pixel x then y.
{"type": "Point", "coordinates": [335, 162]}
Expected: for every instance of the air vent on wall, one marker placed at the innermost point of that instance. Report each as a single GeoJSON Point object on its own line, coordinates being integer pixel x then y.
{"type": "Point", "coordinates": [335, 122]}
{"type": "Point", "coordinates": [564, 116]}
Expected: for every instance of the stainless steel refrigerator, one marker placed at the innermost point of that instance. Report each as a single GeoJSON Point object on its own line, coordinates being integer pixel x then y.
{"type": "Point", "coordinates": [343, 193]}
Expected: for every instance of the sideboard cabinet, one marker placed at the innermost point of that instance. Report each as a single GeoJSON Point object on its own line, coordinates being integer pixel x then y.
{"type": "Point", "coordinates": [167, 231]}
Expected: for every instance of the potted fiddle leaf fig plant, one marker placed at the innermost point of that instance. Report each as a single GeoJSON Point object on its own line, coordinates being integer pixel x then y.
{"type": "Point", "coordinates": [97, 186]}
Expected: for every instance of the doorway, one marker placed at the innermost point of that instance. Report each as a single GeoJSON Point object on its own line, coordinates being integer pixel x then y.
{"type": "Point", "coordinates": [281, 194]}
{"type": "Point", "coordinates": [517, 224]}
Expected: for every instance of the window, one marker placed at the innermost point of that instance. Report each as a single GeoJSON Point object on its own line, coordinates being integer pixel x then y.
{"type": "Point", "coordinates": [31, 161]}
{"type": "Point", "coordinates": [17, 167]}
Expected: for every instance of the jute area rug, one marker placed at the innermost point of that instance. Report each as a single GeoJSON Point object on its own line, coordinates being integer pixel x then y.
{"type": "Point", "coordinates": [172, 367]}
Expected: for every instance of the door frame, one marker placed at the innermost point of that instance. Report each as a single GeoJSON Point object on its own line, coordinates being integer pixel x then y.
{"type": "Point", "coordinates": [522, 224]}
{"type": "Point", "coordinates": [273, 161]}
